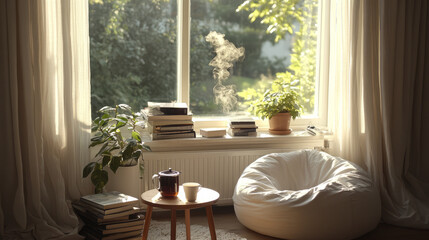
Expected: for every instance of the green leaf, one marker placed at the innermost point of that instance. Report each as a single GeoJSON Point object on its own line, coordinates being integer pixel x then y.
{"type": "Point", "coordinates": [107, 109]}
{"type": "Point", "coordinates": [96, 120]}
{"type": "Point", "coordinates": [98, 142]}
{"type": "Point", "coordinates": [94, 128]}
{"type": "Point", "coordinates": [120, 124]}
{"type": "Point", "coordinates": [106, 160]}
{"type": "Point", "coordinates": [119, 138]}
{"type": "Point", "coordinates": [115, 163]}
{"type": "Point", "coordinates": [99, 177]}
{"type": "Point", "coordinates": [136, 136]}
{"type": "Point", "coordinates": [88, 169]}
{"type": "Point", "coordinates": [124, 107]}
{"type": "Point", "coordinates": [97, 138]}
{"type": "Point", "coordinates": [105, 116]}
{"type": "Point", "coordinates": [102, 149]}
{"type": "Point", "coordinates": [136, 154]}
{"type": "Point", "coordinates": [144, 147]}
{"type": "Point", "coordinates": [127, 152]}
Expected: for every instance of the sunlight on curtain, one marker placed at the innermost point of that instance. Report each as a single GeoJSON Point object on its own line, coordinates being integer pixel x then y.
{"type": "Point", "coordinates": [341, 64]}
{"type": "Point", "coordinates": [46, 96]}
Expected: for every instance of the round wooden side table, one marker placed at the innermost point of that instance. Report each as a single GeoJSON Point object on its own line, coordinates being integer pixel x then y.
{"type": "Point", "coordinates": [206, 198]}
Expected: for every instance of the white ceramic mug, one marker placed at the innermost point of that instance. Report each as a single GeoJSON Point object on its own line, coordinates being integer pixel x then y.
{"type": "Point", "coordinates": [191, 190]}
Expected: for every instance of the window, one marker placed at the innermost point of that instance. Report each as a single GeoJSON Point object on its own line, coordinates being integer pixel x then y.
{"type": "Point", "coordinates": [133, 52]}
{"type": "Point", "coordinates": [156, 50]}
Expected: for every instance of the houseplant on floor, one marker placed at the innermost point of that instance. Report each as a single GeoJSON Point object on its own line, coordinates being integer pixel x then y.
{"type": "Point", "coordinates": [279, 104]}
{"type": "Point", "coordinates": [115, 150]}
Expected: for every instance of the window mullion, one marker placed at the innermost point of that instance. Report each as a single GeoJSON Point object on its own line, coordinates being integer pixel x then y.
{"type": "Point", "coordinates": [183, 50]}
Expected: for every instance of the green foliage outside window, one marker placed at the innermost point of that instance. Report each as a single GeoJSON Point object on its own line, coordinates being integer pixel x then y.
{"type": "Point", "coordinates": [280, 16]}
{"type": "Point", "coordinates": [134, 50]}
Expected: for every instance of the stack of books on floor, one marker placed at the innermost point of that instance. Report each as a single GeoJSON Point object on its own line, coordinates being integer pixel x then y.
{"type": "Point", "coordinates": [111, 215]}
{"type": "Point", "coordinates": [242, 128]}
{"type": "Point", "coordinates": [169, 121]}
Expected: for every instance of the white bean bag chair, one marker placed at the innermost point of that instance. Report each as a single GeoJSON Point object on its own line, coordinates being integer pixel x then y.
{"type": "Point", "coordinates": [306, 195]}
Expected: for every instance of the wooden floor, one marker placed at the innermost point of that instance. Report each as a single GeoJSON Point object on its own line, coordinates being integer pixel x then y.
{"type": "Point", "coordinates": [225, 219]}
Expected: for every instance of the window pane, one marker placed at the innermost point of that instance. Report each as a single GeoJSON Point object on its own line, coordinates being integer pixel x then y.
{"type": "Point", "coordinates": [133, 52]}
{"type": "Point", "coordinates": [294, 52]}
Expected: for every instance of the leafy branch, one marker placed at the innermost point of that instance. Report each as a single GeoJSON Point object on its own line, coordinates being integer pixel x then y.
{"type": "Point", "coordinates": [281, 16]}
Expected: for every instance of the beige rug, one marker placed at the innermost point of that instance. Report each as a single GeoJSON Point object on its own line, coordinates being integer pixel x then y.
{"type": "Point", "coordinates": [161, 231]}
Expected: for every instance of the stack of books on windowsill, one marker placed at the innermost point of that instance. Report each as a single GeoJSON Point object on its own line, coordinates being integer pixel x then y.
{"type": "Point", "coordinates": [111, 215]}
{"type": "Point", "coordinates": [169, 121]}
{"type": "Point", "coordinates": [242, 128]}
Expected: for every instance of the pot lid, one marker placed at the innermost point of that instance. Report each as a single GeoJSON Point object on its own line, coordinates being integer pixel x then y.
{"type": "Point", "coordinates": [169, 173]}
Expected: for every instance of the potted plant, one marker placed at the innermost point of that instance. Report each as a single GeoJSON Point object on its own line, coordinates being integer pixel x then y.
{"type": "Point", "coordinates": [279, 104]}
{"type": "Point", "coordinates": [114, 149]}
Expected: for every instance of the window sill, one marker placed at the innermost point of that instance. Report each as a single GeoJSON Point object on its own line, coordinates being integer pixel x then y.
{"type": "Point", "coordinates": [222, 122]}
{"type": "Point", "coordinates": [296, 140]}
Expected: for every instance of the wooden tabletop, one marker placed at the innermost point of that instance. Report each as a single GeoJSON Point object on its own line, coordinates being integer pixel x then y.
{"type": "Point", "coordinates": [206, 197]}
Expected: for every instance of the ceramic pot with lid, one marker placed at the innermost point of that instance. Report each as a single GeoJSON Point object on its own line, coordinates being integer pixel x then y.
{"type": "Point", "coordinates": [168, 182]}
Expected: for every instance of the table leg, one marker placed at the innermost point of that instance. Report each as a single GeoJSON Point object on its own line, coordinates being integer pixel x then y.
{"type": "Point", "coordinates": [147, 222]}
{"type": "Point", "coordinates": [173, 224]}
{"type": "Point", "coordinates": [209, 212]}
{"type": "Point", "coordinates": [188, 223]}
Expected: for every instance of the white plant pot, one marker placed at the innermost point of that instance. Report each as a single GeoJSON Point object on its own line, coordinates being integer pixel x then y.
{"type": "Point", "coordinates": [126, 180]}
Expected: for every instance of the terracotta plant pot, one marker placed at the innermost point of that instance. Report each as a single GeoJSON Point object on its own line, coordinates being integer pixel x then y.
{"type": "Point", "coordinates": [279, 124]}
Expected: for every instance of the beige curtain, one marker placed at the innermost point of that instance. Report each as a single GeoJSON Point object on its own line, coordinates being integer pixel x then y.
{"type": "Point", "coordinates": [375, 57]}
{"type": "Point", "coordinates": [404, 77]}
{"type": "Point", "coordinates": [45, 108]}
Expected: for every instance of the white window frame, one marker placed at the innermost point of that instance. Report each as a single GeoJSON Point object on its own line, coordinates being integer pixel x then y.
{"type": "Point", "coordinates": [183, 79]}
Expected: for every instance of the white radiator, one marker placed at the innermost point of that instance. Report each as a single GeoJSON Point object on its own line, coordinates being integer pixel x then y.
{"type": "Point", "coordinates": [218, 170]}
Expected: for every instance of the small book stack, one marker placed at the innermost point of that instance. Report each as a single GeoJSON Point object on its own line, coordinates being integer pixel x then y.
{"type": "Point", "coordinates": [111, 215]}
{"type": "Point", "coordinates": [169, 121]}
{"type": "Point", "coordinates": [242, 128]}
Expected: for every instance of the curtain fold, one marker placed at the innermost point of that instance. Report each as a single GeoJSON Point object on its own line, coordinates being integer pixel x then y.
{"type": "Point", "coordinates": [45, 94]}
{"type": "Point", "coordinates": [378, 73]}
{"type": "Point", "coordinates": [403, 75]}
{"type": "Point", "coordinates": [344, 62]}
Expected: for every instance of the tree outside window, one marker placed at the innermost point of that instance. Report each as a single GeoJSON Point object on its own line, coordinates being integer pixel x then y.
{"type": "Point", "coordinates": [134, 51]}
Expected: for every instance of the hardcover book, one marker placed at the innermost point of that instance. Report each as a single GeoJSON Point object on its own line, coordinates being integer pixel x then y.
{"type": "Point", "coordinates": [89, 217]}
{"type": "Point", "coordinates": [168, 135]}
{"type": "Point", "coordinates": [127, 223]}
{"type": "Point", "coordinates": [91, 234]}
{"type": "Point", "coordinates": [242, 130]}
{"type": "Point", "coordinates": [96, 210]}
{"type": "Point", "coordinates": [174, 111]}
{"type": "Point", "coordinates": [168, 128]}
{"type": "Point", "coordinates": [243, 126]}
{"type": "Point", "coordinates": [101, 231]}
{"type": "Point", "coordinates": [241, 133]}
{"type": "Point", "coordinates": [118, 214]}
{"type": "Point", "coordinates": [242, 122]}
{"type": "Point", "coordinates": [168, 108]}
{"type": "Point", "coordinates": [170, 123]}
{"type": "Point", "coordinates": [169, 118]}
{"type": "Point", "coordinates": [212, 132]}
{"type": "Point", "coordinates": [109, 200]}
